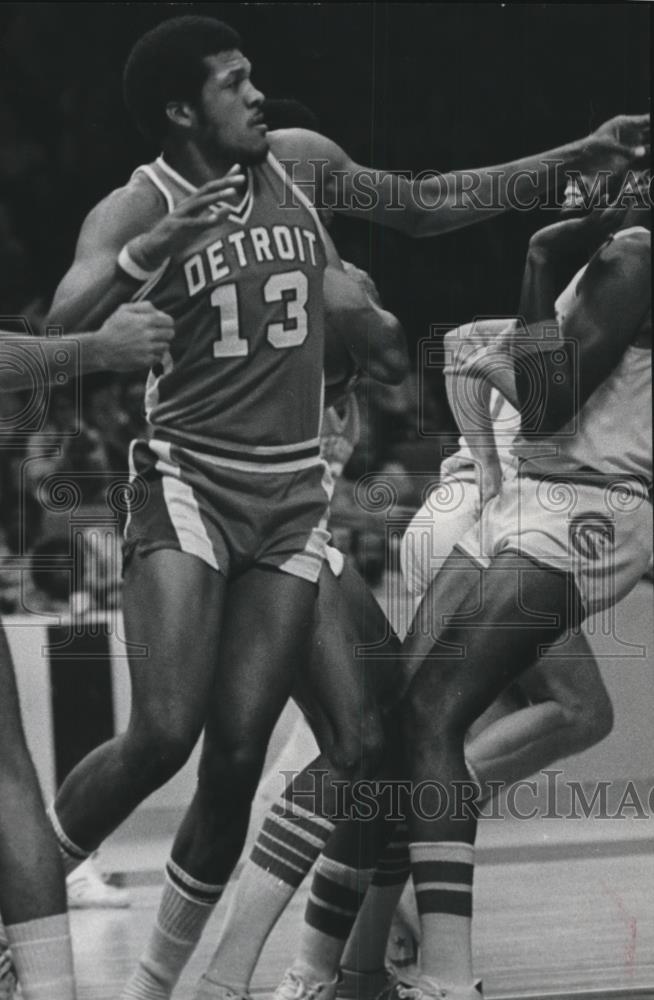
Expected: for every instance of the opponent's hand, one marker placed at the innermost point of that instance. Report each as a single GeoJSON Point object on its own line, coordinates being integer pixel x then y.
{"type": "Point", "coordinates": [204, 208]}
{"type": "Point", "coordinates": [619, 143]}
{"type": "Point", "coordinates": [136, 336]}
{"type": "Point", "coordinates": [364, 280]}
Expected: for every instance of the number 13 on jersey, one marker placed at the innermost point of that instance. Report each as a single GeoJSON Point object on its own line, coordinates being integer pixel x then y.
{"type": "Point", "coordinates": [291, 288]}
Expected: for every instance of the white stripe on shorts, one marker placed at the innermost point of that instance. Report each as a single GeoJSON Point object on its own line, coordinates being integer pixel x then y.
{"type": "Point", "coordinates": [183, 509]}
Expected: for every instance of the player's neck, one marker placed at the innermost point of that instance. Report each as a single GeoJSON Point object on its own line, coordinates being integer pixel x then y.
{"type": "Point", "coordinates": [194, 165]}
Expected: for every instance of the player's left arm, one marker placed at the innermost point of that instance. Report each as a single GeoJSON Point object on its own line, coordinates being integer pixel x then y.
{"type": "Point", "coordinates": [442, 202]}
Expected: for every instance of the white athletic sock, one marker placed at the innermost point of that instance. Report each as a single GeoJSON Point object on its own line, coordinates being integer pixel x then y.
{"type": "Point", "coordinates": [442, 875]}
{"type": "Point", "coordinates": [43, 958]}
{"type": "Point", "coordinates": [185, 907]}
{"type": "Point", "coordinates": [72, 855]}
{"type": "Point", "coordinates": [337, 892]}
{"type": "Point", "coordinates": [287, 846]}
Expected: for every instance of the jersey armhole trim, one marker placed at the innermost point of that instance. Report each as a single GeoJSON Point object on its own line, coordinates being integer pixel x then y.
{"type": "Point", "coordinates": [302, 198]}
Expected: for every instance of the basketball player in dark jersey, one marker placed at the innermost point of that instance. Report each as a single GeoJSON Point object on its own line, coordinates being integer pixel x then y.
{"type": "Point", "coordinates": [232, 465]}
{"type": "Point", "coordinates": [32, 889]}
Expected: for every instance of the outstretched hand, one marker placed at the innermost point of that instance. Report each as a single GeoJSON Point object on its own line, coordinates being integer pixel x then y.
{"type": "Point", "coordinates": [621, 142]}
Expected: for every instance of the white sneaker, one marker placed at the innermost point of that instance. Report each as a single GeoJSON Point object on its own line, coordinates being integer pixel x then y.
{"type": "Point", "coordinates": [208, 989]}
{"type": "Point", "coordinates": [295, 986]}
{"type": "Point", "coordinates": [428, 989]}
{"type": "Point", "coordinates": [8, 985]}
{"type": "Point", "coordinates": [86, 888]}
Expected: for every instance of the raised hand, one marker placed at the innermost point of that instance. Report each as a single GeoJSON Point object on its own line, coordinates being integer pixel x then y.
{"type": "Point", "coordinates": [621, 142]}
{"type": "Point", "coordinates": [204, 208]}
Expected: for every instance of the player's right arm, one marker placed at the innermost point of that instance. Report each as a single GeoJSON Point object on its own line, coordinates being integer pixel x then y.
{"type": "Point", "coordinates": [135, 219]}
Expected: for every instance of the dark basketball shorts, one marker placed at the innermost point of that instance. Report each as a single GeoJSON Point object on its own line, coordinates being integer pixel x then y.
{"type": "Point", "coordinates": [231, 519]}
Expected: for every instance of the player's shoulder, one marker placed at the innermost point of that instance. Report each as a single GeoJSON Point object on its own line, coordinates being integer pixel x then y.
{"type": "Point", "coordinates": [125, 212]}
{"type": "Point", "coordinates": [303, 145]}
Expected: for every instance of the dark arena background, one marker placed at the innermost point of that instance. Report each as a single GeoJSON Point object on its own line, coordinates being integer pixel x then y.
{"type": "Point", "coordinates": [564, 901]}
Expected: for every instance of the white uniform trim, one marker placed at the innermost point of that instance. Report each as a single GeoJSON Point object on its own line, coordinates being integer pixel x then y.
{"type": "Point", "coordinates": [183, 508]}
{"type": "Point", "coordinates": [239, 214]}
{"type": "Point", "coordinates": [302, 198]}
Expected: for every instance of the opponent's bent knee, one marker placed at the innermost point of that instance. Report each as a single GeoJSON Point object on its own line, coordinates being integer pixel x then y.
{"type": "Point", "coordinates": [590, 720]}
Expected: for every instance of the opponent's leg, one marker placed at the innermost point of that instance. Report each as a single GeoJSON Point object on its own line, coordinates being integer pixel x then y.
{"type": "Point", "coordinates": [32, 888]}
{"type": "Point", "coordinates": [172, 607]}
{"type": "Point", "coordinates": [324, 937]}
{"type": "Point", "coordinates": [522, 609]}
{"type": "Point", "coordinates": [569, 711]}
{"type": "Point", "coordinates": [363, 962]}
{"type": "Point", "coordinates": [268, 620]}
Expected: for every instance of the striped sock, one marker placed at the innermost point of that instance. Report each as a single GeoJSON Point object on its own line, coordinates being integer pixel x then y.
{"type": "Point", "coordinates": [366, 946]}
{"type": "Point", "coordinates": [336, 895]}
{"type": "Point", "coordinates": [289, 842]}
{"type": "Point", "coordinates": [442, 874]}
{"type": "Point", "coordinates": [72, 855]}
{"type": "Point", "coordinates": [43, 958]}
{"type": "Point", "coordinates": [185, 907]}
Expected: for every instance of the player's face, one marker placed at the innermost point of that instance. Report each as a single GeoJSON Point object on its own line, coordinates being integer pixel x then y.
{"type": "Point", "coordinates": [229, 115]}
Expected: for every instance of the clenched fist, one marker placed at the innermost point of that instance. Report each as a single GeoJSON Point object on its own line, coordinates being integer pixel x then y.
{"type": "Point", "coordinates": [136, 336]}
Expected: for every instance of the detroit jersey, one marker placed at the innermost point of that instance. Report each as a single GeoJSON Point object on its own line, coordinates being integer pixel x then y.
{"type": "Point", "coordinates": [244, 378]}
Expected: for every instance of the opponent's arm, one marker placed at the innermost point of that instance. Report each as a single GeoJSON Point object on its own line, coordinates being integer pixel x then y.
{"type": "Point", "coordinates": [373, 337]}
{"type": "Point", "coordinates": [134, 338]}
{"type": "Point", "coordinates": [612, 303]}
{"type": "Point", "coordinates": [556, 252]}
{"type": "Point", "coordinates": [444, 202]}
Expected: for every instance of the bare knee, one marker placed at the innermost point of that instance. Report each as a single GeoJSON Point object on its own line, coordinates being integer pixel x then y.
{"type": "Point", "coordinates": [230, 773]}
{"type": "Point", "coordinates": [358, 749]}
{"type": "Point", "coordinates": [160, 746]}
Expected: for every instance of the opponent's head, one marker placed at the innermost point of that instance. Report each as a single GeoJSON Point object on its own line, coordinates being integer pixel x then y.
{"type": "Point", "coordinates": [187, 80]}
{"type": "Point", "coordinates": [632, 206]}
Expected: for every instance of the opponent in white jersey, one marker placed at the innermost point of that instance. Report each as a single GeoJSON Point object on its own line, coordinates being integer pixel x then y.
{"type": "Point", "coordinates": [549, 548]}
